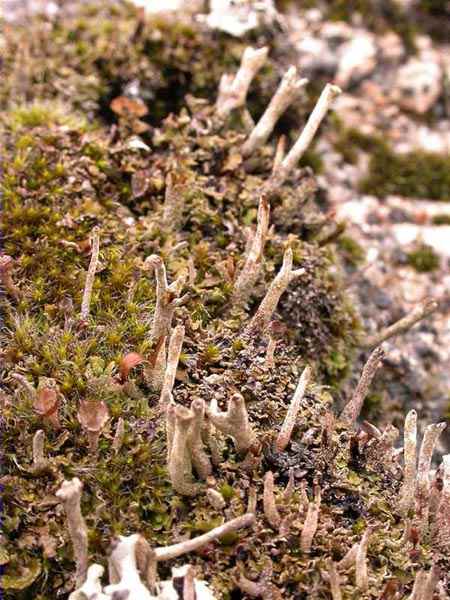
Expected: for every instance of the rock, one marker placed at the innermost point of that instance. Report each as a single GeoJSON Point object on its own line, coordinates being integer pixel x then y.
{"type": "Point", "coordinates": [238, 17]}
{"type": "Point", "coordinates": [168, 6]}
{"type": "Point", "coordinates": [418, 85]}
{"type": "Point", "coordinates": [391, 47]}
{"type": "Point", "coordinates": [357, 59]}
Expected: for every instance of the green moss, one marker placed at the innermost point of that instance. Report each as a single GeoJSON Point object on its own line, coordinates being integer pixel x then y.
{"type": "Point", "coordinates": [423, 259]}
{"type": "Point", "coordinates": [352, 252]}
{"type": "Point", "coordinates": [441, 219]}
{"type": "Point", "coordinates": [415, 174]}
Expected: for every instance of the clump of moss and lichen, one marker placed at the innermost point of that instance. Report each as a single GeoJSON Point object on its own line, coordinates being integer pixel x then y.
{"type": "Point", "coordinates": [67, 174]}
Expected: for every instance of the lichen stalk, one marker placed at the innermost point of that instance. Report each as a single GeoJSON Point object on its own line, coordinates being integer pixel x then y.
{"type": "Point", "coordinates": [92, 587]}
{"type": "Point", "coordinates": [234, 422]}
{"type": "Point", "coordinates": [284, 436]}
{"type": "Point", "coordinates": [176, 550]}
{"type": "Point", "coordinates": [6, 264]}
{"type": "Point", "coordinates": [290, 487]}
{"type": "Point", "coordinates": [40, 463]}
{"type": "Point", "coordinates": [311, 521]}
{"type": "Point", "coordinates": [326, 99]}
{"type": "Point", "coordinates": [233, 89]}
{"type": "Point", "coordinates": [90, 277]}
{"type": "Point", "coordinates": [420, 581]}
{"type": "Point", "coordinates": [430, 438]}
{"type": "Point", "coordinates": [353, 407]}
{"type": "Point", "coordinates": [431, 582]}
{"type": "Point", "coordinates": [270, 301]}
{"type": "Point", "coordinates": [199, 457]}
{"type": "Point", "coordinates": [248, 276]}
{"type": "Point", "coordinates": [173, 203]}
{"type": "Point", "coordinates": [361, 573]}
{"type": "Point", "coordinates": [280, 152]}
{"type": "Point", "coordinates": [410, 459]}
{"type": "Point", "coordinates": [286, 94]}
{"type": "Point", "coordinates": [123, 563]}
{"type": "Point", "coordinates": [442, 531]}
{"type": "Point", "coordinates": [417, 314]}
{"type": "Point", "coordinates": [335, 584]}
{"type": "Point", "coordinates": [179, 463]}
{"type": "Point", "coordinates": [270, 508]}
{"type": "Point", "coordinates": [167, 297]}
{"type": "Point", "coordinates": [70, 495]}
{"type": "Point", "coordinates": [269, 360]}
{"type": "Point", "coordinates": [119, 435]}
{"type": "Point", "coordinates": [173, 356]}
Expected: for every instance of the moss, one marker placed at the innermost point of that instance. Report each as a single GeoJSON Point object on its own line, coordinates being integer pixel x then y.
{"type": "Point", "coordinates": [417, 174]}
{"type": "Point", "coordinates": [352, 252]}
{"type": "Point", "coordinates": [423, 259]}
{"type": "Point", "coordinates": [441, 219]}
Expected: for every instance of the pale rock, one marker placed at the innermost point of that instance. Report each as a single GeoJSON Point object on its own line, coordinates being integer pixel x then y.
{"type": "Point", "coordinates": [435, 236]}
{"type": "Point", "coordinates": [170, 6]}
{"type": "Point", "coordinates": [357, 59]}
{"type": "Point", "coordinates": [391, 47]}
{"type": "Point", "coordinates": [315, 54]}
{"type": "Point", "coordinates": [238, 17]}
{"type": "Point", "coordinates": [418, 85]}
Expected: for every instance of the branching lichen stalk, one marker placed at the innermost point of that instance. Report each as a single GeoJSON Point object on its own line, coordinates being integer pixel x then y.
{"type": "Point", "coordinates": [417, 314]}
{"type": "Point", "coordinates": [119, 435]}
{"type": "Point", "coordinates": [176, 550]}
{"type": "Point", "coordinates": [234, 422]}
{"type": "Point", "coordinates": [270, 301]}
{"type": "Point", "coordinates": [327, 97]}
{"type": "Point", "coordinates": [40, 463]}
{"type": "Point", "coordinates": [248, 276]}
{"type": "Point", "coordinates": [233, 89]}
{"type": "Point", "coordinates": [286, 93]}
{"type": "Point", "coordinates": [167, 297]}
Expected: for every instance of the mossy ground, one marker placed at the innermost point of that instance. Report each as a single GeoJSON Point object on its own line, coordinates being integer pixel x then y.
{"type": "Point", "coordinates": [65, 171]}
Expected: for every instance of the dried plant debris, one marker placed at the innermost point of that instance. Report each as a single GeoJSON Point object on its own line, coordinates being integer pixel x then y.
{"type": "Point", "coordinates": [174, 341]}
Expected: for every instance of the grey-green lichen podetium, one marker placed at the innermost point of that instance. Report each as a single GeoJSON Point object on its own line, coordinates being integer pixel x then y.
{"type": "Point", "coordinates": [66, 174]}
